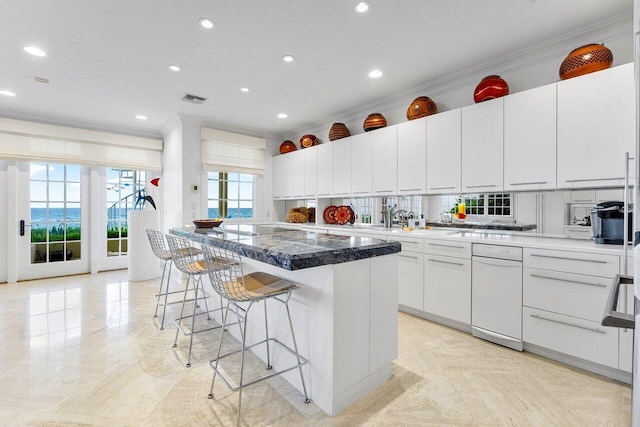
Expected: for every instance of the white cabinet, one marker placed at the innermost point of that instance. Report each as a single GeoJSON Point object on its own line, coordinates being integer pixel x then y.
{"type": "Point", "coordinates": [447, 280]}
{"type": "Point", "coordinates": [443, 152]}
{"type": "Point", "coordinates": [342, 167]}
{"type": "Point", "coordinates": [412, 157]}
{"type": "Point", "coordinates": [324, 153]}
{"type": "Point", "coordinates": [294, 174]}
{"type": "Point", "coordinates": [278, 183]}
{"type": "Point", "coordinates": [310, 171]}
{"type": "Point", "coordinates": [530, 139]}
{"type": "Point", "coordinates": [625, 336]}
{"type": "Point", "coordinates": [410, 272]}
{"type": "Point", "coordinates": [596, 126]}
{"type": "Point", "coordinates": [361, 165]}
{"type": "Point", "coordinates": [597, 196]}
{"type": "Point", "coordinates": [385, 160]}
{"type": "Point", "coordinates": [482, 151]}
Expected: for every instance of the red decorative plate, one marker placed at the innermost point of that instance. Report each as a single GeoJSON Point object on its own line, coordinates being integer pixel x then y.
{"type": "Point", "coordinates": [343, 215]}
{"type": "Point", "coordinates": [329, 214]}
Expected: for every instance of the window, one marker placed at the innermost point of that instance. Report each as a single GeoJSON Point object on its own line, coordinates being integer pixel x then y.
{"type": "Point", "coordinates": [124, 188]}
{"type": "Point", "coordinates": [55, 212]}
{"type": "Point", "coordinates": [494, 204]}
{"type": "Point", "coordinates": [230, 195]}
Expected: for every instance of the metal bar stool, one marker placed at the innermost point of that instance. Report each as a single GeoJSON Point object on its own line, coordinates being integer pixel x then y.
{"type": "Point", "coordinates": [188, 260]}
{"type": "Point", "coordinates": [228, 280]}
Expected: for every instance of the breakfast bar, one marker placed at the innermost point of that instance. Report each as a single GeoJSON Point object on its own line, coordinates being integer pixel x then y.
{"type": "Point", "coordinates": [344, 312]}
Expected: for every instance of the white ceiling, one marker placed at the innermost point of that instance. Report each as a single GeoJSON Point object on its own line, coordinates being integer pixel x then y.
{"type": "Point", "coordinates": [107, 60]}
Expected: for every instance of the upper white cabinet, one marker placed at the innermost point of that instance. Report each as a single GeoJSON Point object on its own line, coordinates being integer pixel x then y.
{"type": "Point", "coordinates": [324, 153]}
{"type": "Point", "coordinates": [342, 167]}
{"type": "Point", "coordinates": [530, 139]}
{"type": "Point", "coordinates": [482, 151]}
{"type": "Point", "coordinates": [288, 175]}
{"type": "Point", "coordinates": [596, 126]}
{"type": "Point", "coordinates": [310, 172]}
{"type": "Point", "coordinates": [361, 165]}
{"type": "Point", "coordinates": [443, 153]}
{"type": "Point", "coordinates": [277, 177]}
{"type": "Point", "coordinates": [385, 160]}
{"type": "Point", "coordinates": [412, 157]}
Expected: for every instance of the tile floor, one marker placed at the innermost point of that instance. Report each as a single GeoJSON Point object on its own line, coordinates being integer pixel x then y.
{"type": "Point", "coordinates": [85, 350]}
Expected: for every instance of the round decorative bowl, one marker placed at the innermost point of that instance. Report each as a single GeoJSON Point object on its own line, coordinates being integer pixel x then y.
{"type": "Point", "coordinates": [287, 147]}
{"type": "Point", "coordinates": [207, 223]}
{"type": "Point", "coordinates": [584, 60]}
{"type": "Point", "coordinates": [308, 141]}
{"type": "Point", "coordinates": [338, 131]}
{"type": "Point", "coordinates": [422, 106]}
{"type": "Point", "coordinates": [490, 87]}
{"type": "Point", "coordinates": [374, 121]}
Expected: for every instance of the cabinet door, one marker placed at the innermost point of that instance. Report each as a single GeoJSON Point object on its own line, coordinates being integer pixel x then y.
{"type": "Point", "coordinates": [447, 287]}
{"type": "Point", "coordinates": [482, 153]}
{"type": "Point", "coordinates": [325, 169]}
{"type": "Point", "coordinates": [385, 160]}
{"type": "Point", "coordinates": [443, 153]}
{"type": "Point", "coordinates": [310, 171]}
{"type": "Point", "coordinates": [410, 279]}
{"type": "Point", "coordinates": [361, 165]}
{"type": "Point", "coordinates": [342, 167]}
{"type": "Point", "coordinates": [294, 174]}
{"type": "Point", "coordinates": [625, 351]}
{"type": "Point", "coordinates": [530, 139]}
{"type": "Point", "coordinates": [277, 177]}
{"type": "Point", "coordinates": [412, 157]}
{"type": "Point", "coordinates": [596, 126]}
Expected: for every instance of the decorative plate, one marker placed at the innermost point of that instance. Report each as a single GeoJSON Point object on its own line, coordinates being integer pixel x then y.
{"type": "Point", "coordinates": [207, 223]}
{"type": "Point", "coordinates": [329, 214]}
{"type": "Point", "coordinates": [343, 215]}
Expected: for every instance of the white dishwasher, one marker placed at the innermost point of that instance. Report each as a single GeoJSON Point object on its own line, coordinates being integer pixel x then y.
{"type": "Point", "coordinates": [496, 294]}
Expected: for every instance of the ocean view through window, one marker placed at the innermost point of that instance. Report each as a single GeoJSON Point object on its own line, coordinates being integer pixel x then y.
{"type": "Point", "coordinates": [230, 195]}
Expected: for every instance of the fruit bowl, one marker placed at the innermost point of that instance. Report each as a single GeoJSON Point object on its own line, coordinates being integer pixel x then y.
{"type": "Point", "coordinates": [207, 223]}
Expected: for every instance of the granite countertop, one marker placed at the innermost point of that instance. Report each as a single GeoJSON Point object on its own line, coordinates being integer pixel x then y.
{"type": "Point", "coordinates": [289, 248]}
{"type": "Point", "coordinates": [502, 225]}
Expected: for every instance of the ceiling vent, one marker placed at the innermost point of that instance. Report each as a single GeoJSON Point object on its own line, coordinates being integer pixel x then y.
{"type": "Point", "coordinates": [41, 80]}
{"type": "Point", "coordinates": [194, 99]}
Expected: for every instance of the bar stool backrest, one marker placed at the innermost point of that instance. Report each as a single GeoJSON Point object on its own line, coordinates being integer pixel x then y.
{"type": "Point", "coordinates": [185, 257]}
{"type": "Point", "coordinates": [158, 245]}
{"type": "Point", "coordinates": [225, 272]}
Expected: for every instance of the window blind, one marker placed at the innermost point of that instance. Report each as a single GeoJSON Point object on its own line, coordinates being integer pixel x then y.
{"type": "Point", "coordinates": [25, 141]}
{"type": "Point", "coordinates": [224, 151]}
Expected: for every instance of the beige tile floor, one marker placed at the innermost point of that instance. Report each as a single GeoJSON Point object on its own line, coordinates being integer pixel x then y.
{"type": "Point", "coordinates": [85, 350]}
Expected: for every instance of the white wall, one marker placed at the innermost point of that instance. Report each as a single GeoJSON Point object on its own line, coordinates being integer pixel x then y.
{"type": "Point", "coordinates": [3, 222]}
{"type": "Point", "coordinates": [171, 180]}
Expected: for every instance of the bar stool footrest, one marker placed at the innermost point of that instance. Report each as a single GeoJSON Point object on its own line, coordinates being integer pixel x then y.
{"type": "Point", "coordinates": [187, 332]}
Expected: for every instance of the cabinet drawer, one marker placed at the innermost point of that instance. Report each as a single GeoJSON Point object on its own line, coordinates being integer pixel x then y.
{"type": "Point", "coordinates": [569, 335]}
{"type": "Point", "coordinates": [572, 262]}
{"type": "Point", "coordinates": [448, 248]}
{"type": "Point", "coordinates": [565, 293]}
{"type": "Point", "coordinates": [409, 244]}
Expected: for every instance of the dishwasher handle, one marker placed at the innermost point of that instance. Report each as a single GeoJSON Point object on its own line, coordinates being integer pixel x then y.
{"type": "Point", "coordinates": [497, 262]}
{"type": "Point", "coordinates": [612, 317]}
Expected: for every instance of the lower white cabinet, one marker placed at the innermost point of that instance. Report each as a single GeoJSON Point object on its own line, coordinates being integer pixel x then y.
{"type": "Point", "coordinates": [625, 336]}
{"type": "Point", "coordinates": [447, 287]}
{"type": "Point", "coordinates": [410, 272]}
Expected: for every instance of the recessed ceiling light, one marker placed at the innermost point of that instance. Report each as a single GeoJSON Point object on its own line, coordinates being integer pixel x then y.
{"type": "Point", "coordinates": [174, 67]}
{"type": "Point", "coordinates": [244, 89]}
{"type": "Point", "coordinates": [141, 117]}
{"type": "Point", "coordinates": [374, 74]}
{"type": "Point", "coordinates": [7, 93]}
{"type": "Point", "coordinates": [282, 116]}
{"type": "Point", "coordinates": [35, 51]}
{"type": "Point", "coordinates": [207, 23]}
{"type": "Point", "coordinates": [288, 58]}
{"type": "Point", "coordinates": [362, 6]}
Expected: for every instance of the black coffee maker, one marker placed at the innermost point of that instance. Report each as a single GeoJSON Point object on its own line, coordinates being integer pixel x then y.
{"type": "Point", "coordinates": [607, 223]}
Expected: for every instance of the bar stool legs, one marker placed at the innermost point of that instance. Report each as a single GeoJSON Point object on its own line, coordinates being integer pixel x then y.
{"type": "Point", "coordinates": [166, 293]}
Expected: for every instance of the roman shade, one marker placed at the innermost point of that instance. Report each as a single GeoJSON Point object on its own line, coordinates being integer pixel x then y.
{"type": "Point", "coordinates": [224, 151]}
{"type": "Point", "coordinates": [26, 141]}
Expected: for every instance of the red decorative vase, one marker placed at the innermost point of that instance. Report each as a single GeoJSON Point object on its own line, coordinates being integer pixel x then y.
{"type": "Point", "coordinates": [308, 141]}
{"type": "Point", "coordinates": [422, 106]}
{"type": "Point", "coordinates": [584, 60]}
{"type": "Point", "coordinates": [374, 121]}
{"type": "Point", "coordinates": [287, 146]}
{"type": "Point", "coordinates": [338, 131]}
{"type": "Point", "coordinates": [490, 87]}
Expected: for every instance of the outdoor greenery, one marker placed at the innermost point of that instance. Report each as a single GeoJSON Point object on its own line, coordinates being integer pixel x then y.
{"type": "Point", "coordinates": [56, 233]}
{"type": "Point", "coordinates": [115, 231]}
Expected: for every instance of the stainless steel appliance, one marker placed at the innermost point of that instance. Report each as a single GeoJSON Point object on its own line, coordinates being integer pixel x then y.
{"type": "Point", "coordinates": [607, 223]}
{"type": "Point", "coordinates": [496, 294]}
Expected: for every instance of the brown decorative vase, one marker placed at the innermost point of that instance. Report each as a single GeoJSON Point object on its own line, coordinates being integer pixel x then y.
{"type": "Point", "coordinates": [308, 141]}
{"type": "Point", "coordinates": [490, 87]}
{"type": "Point", "coordinates": [287, 147]}
{"type": "Point", "coordinates": [338, 131]}
{"type": "Point", "coordinates": [586, 59]}
{"type": "Point", "coordinates": [374, 121]}
{"type": "Point", "coordinates": [422, 106]}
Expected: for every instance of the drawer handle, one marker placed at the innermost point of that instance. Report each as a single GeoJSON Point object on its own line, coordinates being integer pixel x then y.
{"type": "Point", "coordinates": [445, 246]}
{"type": "Point", "coordinates": [410, 189]}
{"type": "Point", "coordinates": [583, 201]}
{"type": "Point", "coordinates": [442, 188]}
{"type": "Point", "coordinates": [599, 285]}
{"type": "Point", "coordinates": [408, 241]}
{"type": "Point", "coordinates": [360, 192]}
{"type": "Point", "coordinates": [591, 179]}
{"type": "Point", "coordinates": [340, 194]}
{"type": "Point", "coordinates": [445, 262]}
{"type": "Point", "coordinates": [480, 186]}
{"type": "Point", "coordinates": [596, 261]}
{"type": "Point", "coordinates": [408, 256]}
{"type": "Point", "coordinates": [600, 331]}
{"type": "Point", "coordinates": [528, 183]}
{"type": "Point", "coordinates": [383, 191]}
{"type": "Point", "coordinates": [579, 231]}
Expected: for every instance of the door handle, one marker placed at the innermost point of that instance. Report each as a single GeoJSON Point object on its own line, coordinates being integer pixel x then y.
{"type": "Point", "coordinates": [22, 227]}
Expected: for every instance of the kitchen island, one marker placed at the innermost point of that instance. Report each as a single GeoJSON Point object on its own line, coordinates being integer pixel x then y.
{"type": "Point", "coordinates": [344, 312]}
